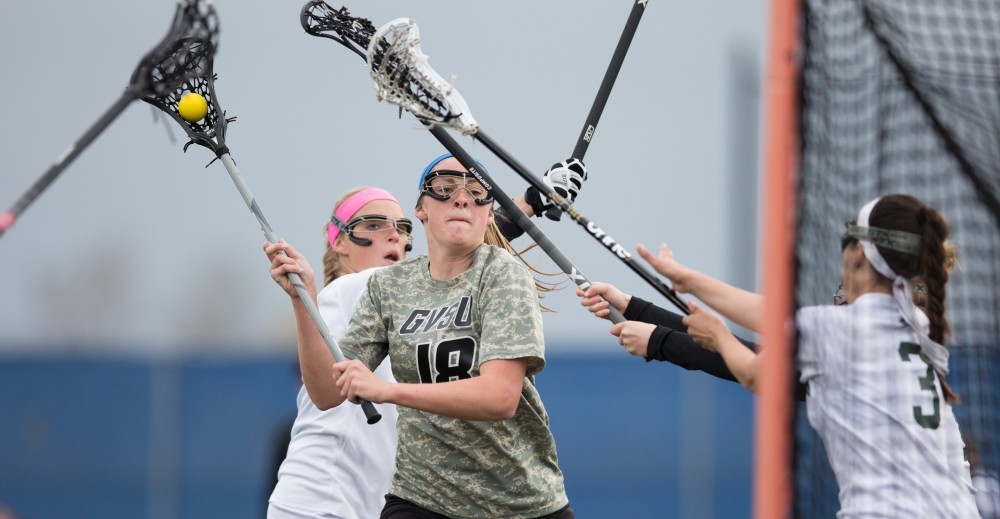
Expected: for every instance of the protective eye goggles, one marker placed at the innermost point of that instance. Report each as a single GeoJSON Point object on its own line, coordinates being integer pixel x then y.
{"type": "Point", "coordinates": [444, 184]}
{"type": "Point", "coordinates": [360, 229]}
{"type": "Point", "coordinates": [839, 297]}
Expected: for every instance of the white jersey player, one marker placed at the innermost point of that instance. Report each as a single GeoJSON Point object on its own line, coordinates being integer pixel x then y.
{"type": "Point", "coordinates": [893, 442]}
{"type": "Point", "coordinates": [875, 368]}
{"type": "Point", "coordinates": [339, 466]}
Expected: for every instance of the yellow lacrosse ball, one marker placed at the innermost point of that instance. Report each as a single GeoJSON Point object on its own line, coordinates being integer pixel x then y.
{"type": "Point", "coordinates": [193, 107]}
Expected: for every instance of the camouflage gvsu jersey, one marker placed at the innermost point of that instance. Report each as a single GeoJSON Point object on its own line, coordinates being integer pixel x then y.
{"type": "Point", "coordinates": [437, 331]}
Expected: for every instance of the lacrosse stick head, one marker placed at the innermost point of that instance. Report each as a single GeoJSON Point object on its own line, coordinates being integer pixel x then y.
{"type": "Point", "coordinates": [403, 77]}
{"type": "Point", "coordinates": [188, 64]}
{"type": "Point", "coordinates": [209, 131]}
{"type": "Point", "coordinates": [319, 19]}
{"type": "Point", "coordinates": [180, 54]}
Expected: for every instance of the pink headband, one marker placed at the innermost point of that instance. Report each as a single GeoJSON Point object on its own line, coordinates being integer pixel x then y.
{"type": "Point", "coordinates": [353, 203]}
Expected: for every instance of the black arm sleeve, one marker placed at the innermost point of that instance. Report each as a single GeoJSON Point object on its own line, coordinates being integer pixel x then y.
{"type": "Point", "coordinates": [670, 342]}
{"type": "Point", "coordinates": [506, 224]}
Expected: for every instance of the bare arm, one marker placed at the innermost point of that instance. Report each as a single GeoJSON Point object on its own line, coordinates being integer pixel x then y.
{"type": "Point", "coordinates": [711, 333]}
{"type": "Point", "coordinates": [740, 306]}
{"type": "Point", "coordinates": [315, 359]}
{"type": "Point", "coordinates": [493, 395]}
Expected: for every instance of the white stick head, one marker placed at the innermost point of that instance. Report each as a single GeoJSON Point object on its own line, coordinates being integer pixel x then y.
{"type": "Point", "coordinates": [403, 76]}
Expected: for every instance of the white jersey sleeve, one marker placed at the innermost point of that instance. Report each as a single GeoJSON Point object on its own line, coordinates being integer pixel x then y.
{"type": "Point", "coordinates": [337, 464]}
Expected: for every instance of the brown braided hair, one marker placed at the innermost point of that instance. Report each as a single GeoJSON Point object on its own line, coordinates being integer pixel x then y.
{"type": "Point", "coordinates": [931, 268]}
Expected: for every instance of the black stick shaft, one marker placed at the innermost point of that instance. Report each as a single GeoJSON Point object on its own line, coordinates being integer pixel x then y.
{"type": "Point", "coordinates": [603, 93]}
{"type": "Point", "coordinates": [519, 217]}
{"type": "Point", "coordinates": [370, 412]}
{"type": "Point", "coordinates": [7, 220]}
{"type": "Point", "coordinates": [592, 228]}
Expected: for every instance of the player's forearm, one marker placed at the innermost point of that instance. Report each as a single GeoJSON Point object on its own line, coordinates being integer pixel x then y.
{"type": "Point", "coordinates": [638, 309]}
{"type": "Point", "coordinates": [315, 360]}
{"type": "Point", "coordinates": [740, 306]}
{"type": "Point", "coordinates": [677, 347]}
{"type": "Point", "coordinates": [507, 224]}
{"type": "Point", "coordinates": [482, 398]}
{"type": "Point", "coordinates": [742, 362]}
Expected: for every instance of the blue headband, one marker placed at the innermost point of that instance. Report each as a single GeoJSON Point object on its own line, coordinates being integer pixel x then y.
{"type": "Point", "coordinates": [423, 176]}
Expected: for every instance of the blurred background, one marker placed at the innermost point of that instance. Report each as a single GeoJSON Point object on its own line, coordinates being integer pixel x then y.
{"type": "Point", "coordinates": [147, 361]}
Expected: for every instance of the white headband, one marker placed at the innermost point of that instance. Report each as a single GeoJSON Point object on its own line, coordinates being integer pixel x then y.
{"type": "Point", "coordinates": [902, 292]}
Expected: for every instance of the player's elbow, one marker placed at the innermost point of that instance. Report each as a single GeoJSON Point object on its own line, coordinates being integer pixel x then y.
{"type": "Point", "coordinates": [325, 401]}
{"type": "Point", "coordinates": [324, 405]}
{"type": "Point", "coordinates": [504, 403]}
{"type": "Point", "coordinates": [499, 388]}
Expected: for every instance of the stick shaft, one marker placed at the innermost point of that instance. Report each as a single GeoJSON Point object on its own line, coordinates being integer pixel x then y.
{"type": "Point", "coordinates": [604, 92]}
{"type": "Point", "coordinates": [300, 289]}
{"type": "Point", "coordinates": [604, 238]}
{"type": "Point", "coordinates": [64, 160]}
{"type": "Point", "coordinates": [519, 217]}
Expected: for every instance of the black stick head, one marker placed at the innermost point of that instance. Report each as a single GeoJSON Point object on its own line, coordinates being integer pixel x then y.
{"type": "Point", "coordinates": [182, 52]}
{"type": "Point", "coordinates": [319, 19]}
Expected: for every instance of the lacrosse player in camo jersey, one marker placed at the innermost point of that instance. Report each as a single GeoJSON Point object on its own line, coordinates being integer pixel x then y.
{"type": "Point", "coordinates": [337, 466]}
{"type": "Point", "coordinates": [875, 367]}
{"type": "Point", "coordinates": [462, 326]}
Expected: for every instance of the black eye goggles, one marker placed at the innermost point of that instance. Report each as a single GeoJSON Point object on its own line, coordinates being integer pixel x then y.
{"type": "Point", "coordinates": [361, 228]}
{"type": "Point", "coordinates": [444, 191]}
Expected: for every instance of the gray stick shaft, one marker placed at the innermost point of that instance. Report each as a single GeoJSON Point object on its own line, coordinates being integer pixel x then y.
{"type": "Point", "coordinates": [300, 288]}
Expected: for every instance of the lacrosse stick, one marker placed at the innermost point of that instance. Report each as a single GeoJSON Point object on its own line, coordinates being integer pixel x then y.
{"type": "Point", "coordinates": [519, 217]}
{"type": "Point", "coordinates": [159, 71]}
{"type": "Point", "coordinates": [210, 132]}
{"type": "Point", "coordinates": [317, 17]}
{"type": "Point", "coordinates": [402, 76]}
{"type": "Point", "coordinates": [603, 93]}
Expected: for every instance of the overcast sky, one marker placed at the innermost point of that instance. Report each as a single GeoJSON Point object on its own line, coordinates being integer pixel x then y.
{"type": "Point", "coordinates": [138, 248]}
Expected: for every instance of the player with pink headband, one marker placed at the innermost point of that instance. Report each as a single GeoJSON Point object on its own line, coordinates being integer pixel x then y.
{"type": "Point", "coordinates": [338, 466]}
{"type": "Point", "coordinates": [370, 223]}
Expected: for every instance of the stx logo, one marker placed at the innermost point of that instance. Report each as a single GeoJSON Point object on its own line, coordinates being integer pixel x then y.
{"type": "Point", "coordinates": [608, 241]}
{"type": "Point", "coordinates": [590, 133]}
{"type": "Point", "coordinates": [458, 313]}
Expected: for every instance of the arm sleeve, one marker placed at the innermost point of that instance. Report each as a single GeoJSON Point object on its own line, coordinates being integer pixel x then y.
{"type": "Point", "coordinates": [677, 347]}
{"type": "Point", "coordinates": [642, 310]}
{"type": "Point", "coordinates": [506, 224]}
{"type": "Point", "coordinates": [670, 342]}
